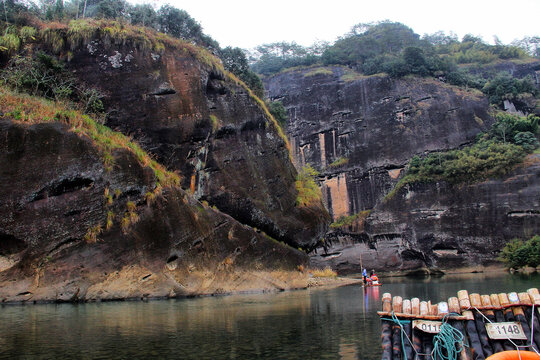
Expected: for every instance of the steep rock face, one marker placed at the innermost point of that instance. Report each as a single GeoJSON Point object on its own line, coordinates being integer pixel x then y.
{"type": "Point", "coordinates": [360, 132]}
{"type": "Point", "coordinates": [53, 191]}
{"type": "Point", "coordinates": [375, 124]}
{"type": "Point", "coordinates": [443, 226]}
{"type": "Point", "coordinates": [209, 128]}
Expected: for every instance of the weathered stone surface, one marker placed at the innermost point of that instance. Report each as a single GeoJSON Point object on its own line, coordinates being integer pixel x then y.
{"type": "Point", "coordinates": [378, 124]}
{"type": "Point", "coordinates": [53, 186]}
{"type": "Point", "coordinates": [196, 120]}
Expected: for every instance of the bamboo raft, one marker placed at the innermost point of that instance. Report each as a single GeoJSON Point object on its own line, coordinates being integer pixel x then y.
{"type": "Point", "coordinates": [482, 324]}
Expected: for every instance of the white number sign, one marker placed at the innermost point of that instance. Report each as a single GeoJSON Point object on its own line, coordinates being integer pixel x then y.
{"type": "Point", "coordinates": [432, 327]}
{"type": "Point", "coordinates": [506, 330]}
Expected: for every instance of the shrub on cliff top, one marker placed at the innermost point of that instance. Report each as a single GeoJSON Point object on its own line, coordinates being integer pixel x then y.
{"type": "Point", "coordinates": [494, 154]}
{"type": "Point", "coordinates": [481, 161]}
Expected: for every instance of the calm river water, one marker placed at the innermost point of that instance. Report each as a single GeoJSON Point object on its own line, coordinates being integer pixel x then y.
{"type": "Point", "coordinates": [339, 323]}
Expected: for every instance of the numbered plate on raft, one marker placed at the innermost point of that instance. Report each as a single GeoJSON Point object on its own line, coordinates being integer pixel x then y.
{"type": "Point", "coordinates": [505, 330]}
{"type": "Point", "coordinates": [432, 327]}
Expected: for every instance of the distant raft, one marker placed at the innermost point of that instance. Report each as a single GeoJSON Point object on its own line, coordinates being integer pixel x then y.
{"type": "Point", "coordinates": [467, 327]}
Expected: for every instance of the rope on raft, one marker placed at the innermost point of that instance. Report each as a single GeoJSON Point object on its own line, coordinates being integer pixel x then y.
{"type": "Point", "coordinates": [447, 344]}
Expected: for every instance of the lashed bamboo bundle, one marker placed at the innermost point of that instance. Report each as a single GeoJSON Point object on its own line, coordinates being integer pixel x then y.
{"type": "Point", "coordinates": [489, 324]}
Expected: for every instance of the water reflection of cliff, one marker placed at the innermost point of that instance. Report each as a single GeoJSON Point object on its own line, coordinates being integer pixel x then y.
{"type": "Point", "coordinates": [336, 323]}
{"type": "Point", "coordinates": [301, 324]}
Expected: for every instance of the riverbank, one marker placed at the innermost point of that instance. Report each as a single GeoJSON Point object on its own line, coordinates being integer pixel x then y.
{"type": "Point", "coordinates": [329, 282]}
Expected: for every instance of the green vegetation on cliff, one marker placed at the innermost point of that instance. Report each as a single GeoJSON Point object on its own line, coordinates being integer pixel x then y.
{"type": "Point", "coordinates": [309, 192]}
{"type": "Point", "coordinates": [63, 38]}
{"type": "Point", "coordinates": [395, 49]}
{"type": "Point", "coordinates": [33, 110]}
{"type": "Point", "coordinates": [346, 221]}
{"type": "Point", "coordinates": [167, 20]}
{"type": "Point", "coordinates": [493, 155]}
{"type": "Point", "coordinates": [517, 254]}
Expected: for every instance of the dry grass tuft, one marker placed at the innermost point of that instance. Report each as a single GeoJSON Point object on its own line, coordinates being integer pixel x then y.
{"type": "Point", "coordinates": [324, 273]}
{"type": "Point", "coordinates": [33, 110]}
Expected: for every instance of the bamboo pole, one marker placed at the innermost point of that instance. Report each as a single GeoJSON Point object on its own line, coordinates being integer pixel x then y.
{"type": "Point", "coordinates": [534, 336]}
{"type": "Point", "coordinates": [480, 327]}
{"type": "Point", "coordinates": [534, 298]}
{"type": "Point", "coordinates": [453, 307]}
{"type": "Point", "coordinates": [386, 328]}
{"type": "Point", "coordinates": [497, 345]}
{"type": "Point", "coordinates": [499, 317]}
{"type": "Point", "coordinates": [508, 313]}
{"type": "Point", "coordinates": [407, 327]}
{"type": "Point", "coordinates": [426, 339]}
{"type": "Point", "coordinates": [415, 306]}
{"type": "Point", "coordinates": [476, 345]}
{"type": "Point", "coordinates": [519, 314]}
{"type": "Point", "coordinates": [397, 307]}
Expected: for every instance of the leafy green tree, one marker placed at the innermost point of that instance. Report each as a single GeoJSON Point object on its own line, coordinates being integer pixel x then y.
{"type": "Point", "coordinates": [505, 87]}
{"type": "Point", "coordinates": [279, 112]}
{"type": "Point", "coordinates": [367, 41]}
{"type": "Point", "coordinates": [517, 254]}
{"type": "Point", "coordinates": [415, 60]}
{"type": "Point", "coordinates": [526, 140]}
{"type": "Point", "coordinates": [529, 44]}
{"type": "Point", "coordinates": [507, 126]}
{"type": "Point", "coordinates": [271, 58]}
{"type": "Point", "coordinates": [440, 38]}
{"type": "Point", "coordinates": [111, 9]}
{"type": "Point", "coordinates": [143, 15]}
{"type": "Point", "coordinates": [235, 61]}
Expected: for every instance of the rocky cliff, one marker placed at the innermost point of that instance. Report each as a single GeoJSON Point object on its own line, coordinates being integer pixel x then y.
{"type": "Point", "coordinates": [59, 241]}
{"type": "Point", "coordinates": [85, 214]}
{"type": "Point", "coordinates": [360, 132]}
{"type": "Point", "coordinates": [181, 106]}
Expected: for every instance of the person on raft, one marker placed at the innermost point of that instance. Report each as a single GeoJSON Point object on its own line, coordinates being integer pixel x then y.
{"type": "Point", "coordinates": [364, 275]}
{"type": "Point", "coordinates": [374, 280]}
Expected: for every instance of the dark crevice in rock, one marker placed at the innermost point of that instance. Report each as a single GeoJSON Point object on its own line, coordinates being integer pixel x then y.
{"type": "Point", "coordinates": [10, 244]}
{"type": "Point", "coordinates": [72, 213]}
{"type": "Point", "coordinates": [162, 92]}
{"type": "Point", "coordinates": [252, 126]}
{"type": "Point", "coordinates": [390, 236]}
{"type": "Point", "coordinates": [172, 259]}
{"type": "Point", "coordinates": [146, 277]}
{"type": "Point", "coordinates": [523, 213]}
{"type": "Point", "coordinates": [225, 131]}
{"type": "Point", "coordinates": [135, 193]}
{"type": "Point", "coordinates": [24, 293]}
{"type": "Point", "coordinates": [62, 244]}
{"type": "Point", "coordinates": [331, 255]}
{"type": "Point", "coordinates": [63, 187]}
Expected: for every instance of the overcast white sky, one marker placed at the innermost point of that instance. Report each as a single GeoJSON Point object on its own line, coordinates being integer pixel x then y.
{"type": "Point", "coordinates": [248, 23]}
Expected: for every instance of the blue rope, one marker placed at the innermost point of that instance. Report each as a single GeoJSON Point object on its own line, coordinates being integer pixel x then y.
{"type": "Point", "coordinates": [448, 343]}
{"type": "Point", "coordinates": [400, 323]}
